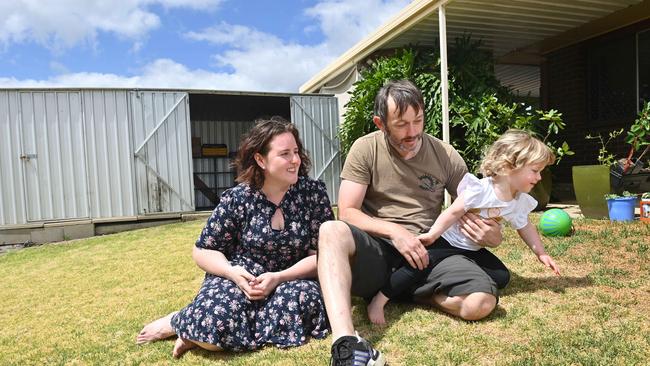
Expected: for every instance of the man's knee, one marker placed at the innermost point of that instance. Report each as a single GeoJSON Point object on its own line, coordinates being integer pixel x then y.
{"type": "Point", "coordinates": [335, 235]}
{"type": "Point", "coordinates": [477, 306]}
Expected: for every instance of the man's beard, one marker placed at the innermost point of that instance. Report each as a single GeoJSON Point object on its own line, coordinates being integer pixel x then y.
{"type": "Point", "coordinates": [401, 144]}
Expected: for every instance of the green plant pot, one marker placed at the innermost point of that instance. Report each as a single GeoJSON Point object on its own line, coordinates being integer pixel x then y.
{"type": "Point", "coordinates": [542, 190]}
{"type": "Point", "coordinates": [591, 183]}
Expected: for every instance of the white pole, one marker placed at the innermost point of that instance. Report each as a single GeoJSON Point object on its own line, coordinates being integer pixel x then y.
{"type": "Point", "coordinates": [444, 81]}
{"type": "Point", "coordinates": [444, 76]}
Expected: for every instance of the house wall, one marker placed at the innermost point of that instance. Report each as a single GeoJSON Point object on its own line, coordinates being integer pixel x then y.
{"type": "Point", "coordinates": [567, 86]}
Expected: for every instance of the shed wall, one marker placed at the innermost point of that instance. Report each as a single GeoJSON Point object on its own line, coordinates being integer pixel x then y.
{"type": "Point", "coordinates": [110, 153]}
{"type": "Point", "coordinates": [69, 154]}
{"type": "Point", "coordinates": [109, 147]}
{"type": "Point", "coordinates": [162, 146]}
{"type": "Point", "coordinates": [12, 208]}
{"type": "Point", "coordinates": [317, 120]}
{"type": "Point", "coordinates": [45, 163]}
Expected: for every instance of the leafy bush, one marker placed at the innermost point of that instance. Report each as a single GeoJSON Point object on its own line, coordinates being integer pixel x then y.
{"type": "Point", "coordinates": [481, 109]}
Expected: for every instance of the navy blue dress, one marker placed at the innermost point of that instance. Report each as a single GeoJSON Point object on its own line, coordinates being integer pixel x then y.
{"type": "Point", "coordinates": [240, 228]}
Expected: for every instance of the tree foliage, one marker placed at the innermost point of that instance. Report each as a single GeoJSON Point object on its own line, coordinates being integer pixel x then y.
{"type": "Point", "coordinates": [480, 108]}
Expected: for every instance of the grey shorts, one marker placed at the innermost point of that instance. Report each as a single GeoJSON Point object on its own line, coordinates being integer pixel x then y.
{"type": "Point", "coordinates": [376, 259]}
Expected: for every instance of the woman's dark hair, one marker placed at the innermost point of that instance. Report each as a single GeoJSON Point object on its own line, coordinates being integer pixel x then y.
{"type": "Point", "coordinates": [258, 140]}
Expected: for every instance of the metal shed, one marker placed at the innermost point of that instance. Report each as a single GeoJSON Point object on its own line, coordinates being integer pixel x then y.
{"type": "Point", "coordinates": [71, 157]}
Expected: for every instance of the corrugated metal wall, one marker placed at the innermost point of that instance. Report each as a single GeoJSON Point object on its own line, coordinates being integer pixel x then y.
{"type": "Point", "coordinates": [317, 120]}
{"type": "Point", "coordinates": [161, 140]}
{"type": "Point", "coordinates": [78, 147]}
{"type": "Point", "coordinates": [12, 194]}
{"type": "Point", "coordinates": [215, 172]}
{"type": "Point", "coordinates": [44, 166]}
{"type": "Point", "coordinates": [110, 159]}
{"type": "Point", "coordinates": [70, 154]}
{"type": "Point", "coordinates": [55, 180]}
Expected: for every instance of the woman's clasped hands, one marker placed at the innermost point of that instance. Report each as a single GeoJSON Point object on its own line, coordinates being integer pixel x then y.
{"type": "Point", "coordinates": [254, 288]}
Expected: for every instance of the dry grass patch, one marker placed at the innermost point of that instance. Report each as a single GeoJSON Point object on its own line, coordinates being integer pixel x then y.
{"type": "Point", "coordinates": [82, 302]}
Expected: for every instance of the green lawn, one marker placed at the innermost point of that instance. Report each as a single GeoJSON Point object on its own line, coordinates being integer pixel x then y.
{"type": "Point", "coordinates": [83, 302]}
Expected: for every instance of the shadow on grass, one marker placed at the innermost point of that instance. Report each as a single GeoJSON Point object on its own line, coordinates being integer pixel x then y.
{"type": "Point", "coordinates": [557, 284]}
{"type": "Point", "coordinates": [243, 357]}
{"type": "Point", "coordinates": [225, 356]}
{"type": "Point", "coordinates": [405, 307]}
{"type": "Point", "coordinates": [518, 284]}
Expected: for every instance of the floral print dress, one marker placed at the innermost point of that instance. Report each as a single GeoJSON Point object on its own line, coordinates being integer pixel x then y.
{"type": "Point", "coordinates": [240, 228]}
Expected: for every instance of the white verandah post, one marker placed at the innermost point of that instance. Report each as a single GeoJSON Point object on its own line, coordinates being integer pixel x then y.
{"type": "Point", "coordinates": [444, 81]}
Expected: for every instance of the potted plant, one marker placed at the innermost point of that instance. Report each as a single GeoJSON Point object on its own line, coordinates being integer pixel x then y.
{"type": "Point", "coordinates": [592, 182]}
{"type": "Point", "coordinates": [621, 207]}
{"type": "Point", "coordinates": [644, 207]}
{"type": "Point", "coordinates": [630, 174]}
{"type": "Point", "coordinates": [638, 136]}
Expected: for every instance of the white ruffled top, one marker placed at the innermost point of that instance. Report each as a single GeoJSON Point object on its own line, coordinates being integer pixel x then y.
{"type": "Point", "coordinates": [480, 198]}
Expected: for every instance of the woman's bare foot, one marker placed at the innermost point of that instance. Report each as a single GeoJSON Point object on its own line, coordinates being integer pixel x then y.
{"type": "Point", "coordinates": [181, 346]}
{"type": "Point", "coordinates": [376, 309]}
{"type": "Point", "coordinates": [156, 330]}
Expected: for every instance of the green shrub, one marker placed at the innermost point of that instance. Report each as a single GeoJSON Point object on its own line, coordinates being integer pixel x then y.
{"type": "Point", "coordinates": [481, 109]}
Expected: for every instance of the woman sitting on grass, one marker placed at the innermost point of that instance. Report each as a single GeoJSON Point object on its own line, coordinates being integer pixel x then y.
{"type": "Point", "coordinates": [258, 252]}
{"type": "Point", "coordinates": [512, 167]}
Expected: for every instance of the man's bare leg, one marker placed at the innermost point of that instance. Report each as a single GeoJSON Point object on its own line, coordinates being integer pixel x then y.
{"type": "Point", "coordinates": [335, 248]}
{"type": "Point", "coordinates": [473, 306]}
{"type": "Point", "coordinates": [156, 330]}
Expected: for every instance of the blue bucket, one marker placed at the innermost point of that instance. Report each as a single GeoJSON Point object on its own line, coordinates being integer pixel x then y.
{"type": "Point", "coordinates": [621, 208]}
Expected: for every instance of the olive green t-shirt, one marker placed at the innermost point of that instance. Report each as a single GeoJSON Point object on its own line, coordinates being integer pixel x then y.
{"type": "Point", "coordinates": [406, 192]}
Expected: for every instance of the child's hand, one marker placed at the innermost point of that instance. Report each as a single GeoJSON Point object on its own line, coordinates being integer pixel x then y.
{"type": "Point", "coordinates": [426, 239]}
{"type": "Point", "coordinates": [548, 262]}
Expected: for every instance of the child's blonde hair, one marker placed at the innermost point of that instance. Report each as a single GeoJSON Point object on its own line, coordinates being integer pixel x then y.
{"type": "Point", "coordinates": [513, 150]}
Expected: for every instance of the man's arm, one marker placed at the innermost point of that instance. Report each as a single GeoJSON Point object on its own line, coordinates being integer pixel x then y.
{"type": "Point", "coordinates": [351, 196]}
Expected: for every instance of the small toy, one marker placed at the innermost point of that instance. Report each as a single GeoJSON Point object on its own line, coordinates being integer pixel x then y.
{"type": "Point", "coordinates": [555, 222]}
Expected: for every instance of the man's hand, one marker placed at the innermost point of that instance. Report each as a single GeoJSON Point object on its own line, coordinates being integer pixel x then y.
{"type": "Point", "coordinates": [410, 248]}
{"type": "Point", "coordinates": [484, 232]}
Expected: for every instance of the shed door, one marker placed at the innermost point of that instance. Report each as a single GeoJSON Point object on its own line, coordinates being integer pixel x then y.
{"type": "Point", "coordinates": [317, 119]}
{"type": "Point", "coordinates": [53, 155]}
{"type": "Point", "coordinates": [162, 151]}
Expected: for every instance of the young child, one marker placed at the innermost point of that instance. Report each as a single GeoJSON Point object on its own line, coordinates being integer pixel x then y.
{"type": "Point", "coordinates": [511, 167]}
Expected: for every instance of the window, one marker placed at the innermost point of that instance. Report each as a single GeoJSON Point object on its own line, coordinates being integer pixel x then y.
{"type": "Point", "coordinates": [643, 68]}
{"type": "Point", "coordinates": [611, 80]}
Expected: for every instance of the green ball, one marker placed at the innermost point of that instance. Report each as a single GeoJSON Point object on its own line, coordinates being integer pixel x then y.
{"type": "Point", "coordinates": [555, 222]}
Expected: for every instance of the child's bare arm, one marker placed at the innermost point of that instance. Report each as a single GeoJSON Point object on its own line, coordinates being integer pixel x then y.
{"type": "Point", "coordinates": [447, 218]}
{"type": "Point", "coordinates": [531, 237]}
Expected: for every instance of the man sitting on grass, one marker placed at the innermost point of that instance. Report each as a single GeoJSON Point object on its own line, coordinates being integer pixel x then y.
{"type": "Point", "coordinates": [392, 191]}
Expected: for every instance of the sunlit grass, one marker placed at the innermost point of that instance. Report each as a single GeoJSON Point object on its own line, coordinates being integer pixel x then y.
{"type": "Point", "coordinates": [82, 302]}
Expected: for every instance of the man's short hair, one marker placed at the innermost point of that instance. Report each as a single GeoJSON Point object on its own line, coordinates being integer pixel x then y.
{"type": "Point", "coordinates": [404, 93]}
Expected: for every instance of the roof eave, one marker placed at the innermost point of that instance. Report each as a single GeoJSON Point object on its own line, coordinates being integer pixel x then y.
{"type": "Point", "coordinates": [410, 15]}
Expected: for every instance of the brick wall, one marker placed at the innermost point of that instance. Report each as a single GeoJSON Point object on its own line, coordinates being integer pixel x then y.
{"type": "Point", "coordinates": [564, 86]}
